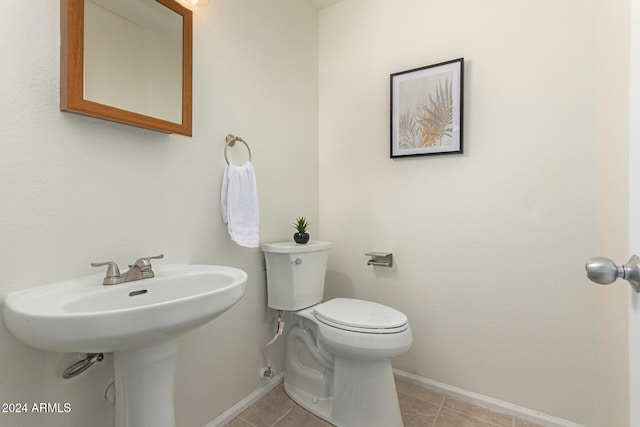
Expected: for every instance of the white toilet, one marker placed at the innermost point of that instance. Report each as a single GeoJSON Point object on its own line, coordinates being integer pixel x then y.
{"type": "Point", "coordinates": [338, 353]}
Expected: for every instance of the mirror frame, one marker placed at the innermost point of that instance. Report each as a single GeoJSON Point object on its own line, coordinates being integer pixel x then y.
{"type": "Point", "coordinates": [72, 72]}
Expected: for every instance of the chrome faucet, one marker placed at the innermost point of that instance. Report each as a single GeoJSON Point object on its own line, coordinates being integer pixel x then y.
{"type": "Point", "coordinates": [141, 269]}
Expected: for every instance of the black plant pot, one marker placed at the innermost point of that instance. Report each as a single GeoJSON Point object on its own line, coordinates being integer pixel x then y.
{"type": "Point", "coordinates": [301, 238]}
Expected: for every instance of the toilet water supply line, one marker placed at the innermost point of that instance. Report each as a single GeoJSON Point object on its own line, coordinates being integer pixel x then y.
{"type": "Point", "coordinates": [266, 372]}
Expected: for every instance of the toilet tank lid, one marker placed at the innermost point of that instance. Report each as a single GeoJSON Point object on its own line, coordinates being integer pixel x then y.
{"type": "Point", "coordinates": [295, 248]}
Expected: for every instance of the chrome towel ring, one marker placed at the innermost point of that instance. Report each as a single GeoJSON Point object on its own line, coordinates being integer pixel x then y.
{"type": "Point", "coordinates": [231, 141]}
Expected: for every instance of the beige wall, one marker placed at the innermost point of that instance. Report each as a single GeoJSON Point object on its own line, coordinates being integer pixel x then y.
{"type": "Point", "coordinates": [613, 133]}
{"type": "Point", "coordinates": [76, 190]}
{"type": "Point", "coordinates": [490, 245]}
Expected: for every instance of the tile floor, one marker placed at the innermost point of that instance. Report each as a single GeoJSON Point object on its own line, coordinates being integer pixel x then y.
{"type": "Point", "coordinates": [420, 407]}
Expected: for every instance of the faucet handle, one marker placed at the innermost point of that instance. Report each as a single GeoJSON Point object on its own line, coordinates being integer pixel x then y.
{"type": "Point", "coordinates": [143, 266]}
{"type": "Point", "coordinates": [146, 261]}
{"type": "Point", "coordinates": [113, 272]}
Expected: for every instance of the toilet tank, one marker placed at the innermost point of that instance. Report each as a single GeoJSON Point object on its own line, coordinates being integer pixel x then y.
{"type": "Point", "coordinates": [295, 274]}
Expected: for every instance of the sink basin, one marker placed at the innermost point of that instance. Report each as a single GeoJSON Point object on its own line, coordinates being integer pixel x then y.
{"type": "Point", "coordinates": [82, 315]}
{"type": "Point", "coordinates": [138, 322]}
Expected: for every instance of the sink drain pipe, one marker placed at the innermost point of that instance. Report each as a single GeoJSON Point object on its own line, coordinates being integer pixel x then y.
{"type": "Point", "coordinates": [82, 365]}
{"type": "Point", "coordinates": [266, 372]}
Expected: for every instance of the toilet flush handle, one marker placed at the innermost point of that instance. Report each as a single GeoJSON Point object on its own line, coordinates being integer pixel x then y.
{"type": "Point", "coordinates": [296, 261]}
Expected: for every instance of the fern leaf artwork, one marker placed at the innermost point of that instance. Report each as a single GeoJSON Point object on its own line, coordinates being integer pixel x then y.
{"type": "Point", "coordinates": [429, 123]}
{"type": "Point", "coordinates": [409, 131]}
{"type": "Point", "coordinates": [435, 116]}
{"type": "Point", "coordinates": [426, 110]}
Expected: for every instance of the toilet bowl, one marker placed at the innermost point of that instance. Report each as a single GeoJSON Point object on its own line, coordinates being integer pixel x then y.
{"type": "Point", "coordinates": [339, 369]}
{"type": "Point", "coordinates": [338, 352]}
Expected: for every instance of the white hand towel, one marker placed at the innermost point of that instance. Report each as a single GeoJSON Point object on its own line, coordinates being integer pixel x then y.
{"type": "Point", "coordinates": [239, 204]}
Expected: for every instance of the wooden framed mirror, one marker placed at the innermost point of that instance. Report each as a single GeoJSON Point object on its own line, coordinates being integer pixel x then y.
{"type": "Point", "coordinates": [128, 61]}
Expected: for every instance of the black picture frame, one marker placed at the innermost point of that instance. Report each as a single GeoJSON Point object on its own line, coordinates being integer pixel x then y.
{"type": "Point", "coordinates": [427, 110]}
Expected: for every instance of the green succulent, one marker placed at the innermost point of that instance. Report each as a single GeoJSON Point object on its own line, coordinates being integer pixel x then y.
{"type": "Point", "coordinates": [301, 224]}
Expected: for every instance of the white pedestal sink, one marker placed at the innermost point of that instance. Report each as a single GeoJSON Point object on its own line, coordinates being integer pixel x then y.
{"type": "Point", "coordinates": [139, 322]}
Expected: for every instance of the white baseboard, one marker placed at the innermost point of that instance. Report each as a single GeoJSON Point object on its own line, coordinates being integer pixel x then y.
{"type": "Point", "coordinates": [485, 401]}
{"type": "Point", "coordinates": [239, 407]}
{"type": "Point", "coordinates": [461, 394]}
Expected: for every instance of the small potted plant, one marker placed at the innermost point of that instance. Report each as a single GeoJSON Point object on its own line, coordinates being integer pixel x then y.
{"type": "Point", "coordinates": [301, 225]}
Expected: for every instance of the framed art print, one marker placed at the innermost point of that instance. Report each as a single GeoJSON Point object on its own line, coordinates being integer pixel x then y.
{"type": "Point", "coordinates": [426, 110]}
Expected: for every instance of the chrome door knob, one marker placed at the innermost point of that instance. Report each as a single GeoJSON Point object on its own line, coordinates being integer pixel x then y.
{"type": "Point", "coordinates": [604, 271]}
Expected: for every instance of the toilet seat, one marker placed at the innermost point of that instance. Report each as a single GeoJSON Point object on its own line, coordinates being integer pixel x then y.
{"type": "Point", "coordinates": [361, 316]}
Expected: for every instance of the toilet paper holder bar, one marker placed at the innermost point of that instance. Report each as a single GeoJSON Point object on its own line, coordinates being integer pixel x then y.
{"type": "Point", "coordinates": [380, 259]}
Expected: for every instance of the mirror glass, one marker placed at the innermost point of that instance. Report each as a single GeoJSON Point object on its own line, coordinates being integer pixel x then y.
{"type": "Point", "coordinates": [132, 48]}
{"type": "Point", "coordinates": [128, 61]}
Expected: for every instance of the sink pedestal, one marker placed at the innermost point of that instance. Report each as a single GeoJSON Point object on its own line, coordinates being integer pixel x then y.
{"type": "Point", "coordinates": [144, 385]}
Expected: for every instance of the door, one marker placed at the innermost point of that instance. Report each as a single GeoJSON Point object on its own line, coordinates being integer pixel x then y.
{"type": "Point", "coordinates": [634, 209]}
